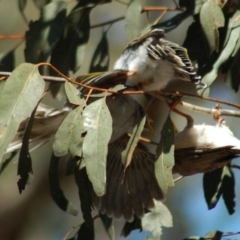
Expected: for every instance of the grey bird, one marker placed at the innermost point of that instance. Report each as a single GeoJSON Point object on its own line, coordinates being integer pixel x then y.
{"type": "Point", "coordinates": [155, 62]}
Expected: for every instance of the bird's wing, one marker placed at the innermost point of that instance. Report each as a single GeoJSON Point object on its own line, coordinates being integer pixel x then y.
{"type": "Point", "coordinates": [189, 161]}
{"type": "Point", "coordinates": [129, 192]}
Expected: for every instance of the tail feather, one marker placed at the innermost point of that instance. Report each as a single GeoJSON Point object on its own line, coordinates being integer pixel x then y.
{"type": "Point", "coordinates": [129, 192]}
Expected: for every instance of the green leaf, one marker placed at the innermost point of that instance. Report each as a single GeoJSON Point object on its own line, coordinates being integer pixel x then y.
{"type": "Point", "coordinates": [100, 60]}
{"type": "Point", "coordinates": [130, 226]}
{"type": "Point", "coordinates": [98, 124]}
{"type": "Point", "coordinates": [133, 19]}
{"type": "Point", "coordinates": [19, 97]}
{"type": "Point", "coordinates": [165, 156]}
{"type": "Point", "coordinates": [7, 161]}
{"type": "Point", "coordinates": [85, 233]}
{"type": "Point", "coordinates": [41, 3]}
{"type": "Point", "coordinates": [212, 186]}
{"type": "Point", "coordinates": [223, 57]}
{"type": "Point", "coordinates": [44, 33]}
{"type": "Point", "coordinates": [72, 93]}
{"type": "Point", "coordinates": [132, 143]}
{"type": "Point", "coordinates": [212, 18]}
{"type": "Point", "coordinates": [25, 162]}
{"type": "Point", "coordinates": [85, 191]}
{"type": "Point", "coordinates": [76, 34]}
{"type": "Point", "coordinates": [216, 235]}
{"type": "Point", "coordinates": [55, 188]}
{"type": "Point", "coordinates": [2, 83]}
{"type": "Point", "coordinates": [108, 225]}
{"type": "Point", "coordinates": [7, 62]}
{"type": "Point", "coordinates": [157, 218]}
{"type": "Point", "coordinates": [68, 137]}
{"type": "Point", "coordinates": [229, 190]}
{"type": "Point", "coordinates": [21, 5]}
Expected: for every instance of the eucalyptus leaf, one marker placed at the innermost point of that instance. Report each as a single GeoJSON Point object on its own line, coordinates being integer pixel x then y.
{"type": "Point", "coordinates": [212, 18]}
{"type": "Point", "coordinates": [7, 62]}
{"type": "Point", "coordinates": [20, 95]}
{"type": "Point", "coordinates": [41, 3]}
{"type": "Point", "coordinates": [165, 156]}
{"type": "Point", "coordinates": [25, 161]}
{"type": "Point", "coordinates": [216, 235]}
{"type": "Point", "coordinates": [223, 57]}
{"type": "Point", "coordinates": [212, 185]}
{"type": "Point", "coordinates": [55, 188]}
{"type": "Point", "coordinates": [133, 19]}
{"type": "Point", "coordinates": [229, 190]}
{"type": "Point", "coordinates": [76, 34]}
{"type": "Point", "coordinates": [98, 124]}
{"type": "Point", "coordinates": [85, 233]}
{"type": "Point", "coordinates": [132, 143]}
{"type": "Point", "coordinates": [108, 225]}
{"type": "Point", "coordinates": [84, 190]}
{"type": "Point", "coordinates": [131, 226]}
{"type": "Point", "coordinates": [157, 218]}
{"type": "Point", "coordinates": [100, 60]}
{"type": "Point", "coordinates": [44, 33]}
{"type": "Point", "coordinates": [22, 5]}
{"type": "Point", "coordinates": [68, 137]}
{"type": "Point", "coordinates": [72, 93]}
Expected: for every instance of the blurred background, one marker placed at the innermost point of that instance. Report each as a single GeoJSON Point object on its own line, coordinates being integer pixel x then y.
{"type": "Point", "coordinates": [34, 215]}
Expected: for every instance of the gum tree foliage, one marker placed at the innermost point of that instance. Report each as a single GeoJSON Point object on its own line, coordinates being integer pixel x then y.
{"type": "Point", "coordinates": [60, 37]}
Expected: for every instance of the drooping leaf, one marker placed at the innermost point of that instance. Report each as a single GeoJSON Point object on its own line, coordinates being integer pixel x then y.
{"type": "Point", "coordinates": [72, 43]}
{"type": "Point", "coordinates": [41, 3]}
{"type": "Point", "coordinates": [18, 98]}
{"type": "Point", "coordinates": [85, 233]}
{"type": "Point", "coordinates": [165, 156]}
{"type": "Point", "coordinates": [223, 57]}
{"type": "Point", "coordinates": [44, 33]}
{"type": "Point", "coordinates": [157, 218]}
{"type": "Point", "coordinates": [7, 62]}
{"type": "Point", "coordinates": [100, 60]}
{"type": "Point", "coordinates": [7, 161]}
{"type": "Point", "coordinates": [216, 235]}
{"type": "Point", "coordinates": [212, 18]}
{"type": "Point", "coordinates": [25, 162]}
{"type": "Point", "coordinates": [130, 226]}
{"type": "Point", "coordinates": [133, 19]}
{"type": "Point", "coordinates": [21, 5]}
{"type": "Point", "coordinates": [68, 137]}
{"type": "Point", "coordinates": [72, 93]}
{"type": "Point", "coordinates": [98, 124]}
{"type": "Point", "coordinates": [228, 190]}
{"type": "Point", "coordinates": [132, 143]}
{"type": "Point", "coordinates": [108, 225]}
{"type": "Point", "coordinates": [84, 190]}
{"type": "Point", "coordinates": [55, 188]}
{"type": "Point", "coordinates": [212, 185]}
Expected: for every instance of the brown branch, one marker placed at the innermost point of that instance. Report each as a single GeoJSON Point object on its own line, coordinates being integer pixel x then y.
{"type": "Point", "coordinates": [162, 8]}
{"type": "Point", "coordinates": [12, 36]}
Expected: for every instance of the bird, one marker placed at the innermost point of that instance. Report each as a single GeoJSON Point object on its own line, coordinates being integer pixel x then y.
{"type": "Point", "coordinates": [204, 148]}
{"type": "Point", "coordinates": [154, 62]}
{"type": "Point", "coordinates": [129, 192]}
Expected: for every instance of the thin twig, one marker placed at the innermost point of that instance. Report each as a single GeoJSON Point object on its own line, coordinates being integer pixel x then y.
{"type": "Point", "coordinates": [211, 111]}
{"type": "Point", "coordinates": [108, 22]}
{"type": "Point", "coordinates": [12, 36]}
{"type": "Point", "coordinates": [70, 231]}
{"type": "Point", "coordinates": [162, 8]}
